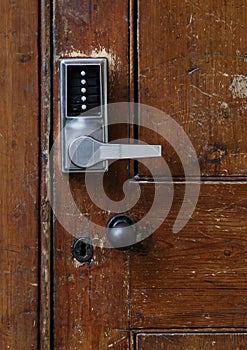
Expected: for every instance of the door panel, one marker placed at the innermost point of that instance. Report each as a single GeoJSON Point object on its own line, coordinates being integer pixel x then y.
{"type": "Point", "coordinates": [19, 180]}
{"type": "Point", "coordinates": [187, 341]}
{"type": "Point", "coordinates": [91, 301]}
{"type": "Point", "coordinates": [197, 277]}
{"type": "Point", "coordinates": [192, 66]}
{"type": "Point", "coordinates": [187, 59]}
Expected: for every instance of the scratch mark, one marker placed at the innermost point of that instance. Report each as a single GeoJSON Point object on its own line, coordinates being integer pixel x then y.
{"type": "Point", "coordinates": [235, 204]}
{"type": "Point", "coordinates": [220, 20]}
{"type": "Point", "coordinates": [191, 20]}
{"type": "Point", "coordinates": [204, 93]}
{"type": "Point", "coordinates": [116, 342]}
{"type": "Point", "coordinates": [9, 250]}
{"type": "Point", "coordinates": [193, 70]}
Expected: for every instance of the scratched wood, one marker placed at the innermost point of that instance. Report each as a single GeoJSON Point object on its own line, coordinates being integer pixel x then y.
{"type": "Point", "coordinates": [45, 211]}
{"type": "Point", "coordinates": [197, 277]}
{"type": "Point", "coordinates": [91, 301]}
{"type": "Point", "coordinates": [191, 341]}
{"type": "Point", "coordinates": [192, 66]}
{"type": "Point", "coordinates": [19, 147]}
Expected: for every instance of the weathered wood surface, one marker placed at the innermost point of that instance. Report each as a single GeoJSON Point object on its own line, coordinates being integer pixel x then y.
{"type": "Point", "coordinates": [192, 66]}
{"type": "Point", "coordinates": [197, 277]}
{"type": "Point", "coordinates": [19, 195]}
{"type": "Point", "coordinates": [190, 62]}
{"type": "Point", "coordinates": [45, 181]}
{"type": "Point", "coordinates": [195, 341]}
{"type": "Point", "coordinates": [91, 301]}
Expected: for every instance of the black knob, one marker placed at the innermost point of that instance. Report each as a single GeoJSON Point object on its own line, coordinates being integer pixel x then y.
{"type": "Point", "coordinates": [121, 231]}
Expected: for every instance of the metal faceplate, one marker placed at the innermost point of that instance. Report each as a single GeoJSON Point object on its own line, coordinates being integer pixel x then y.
{"type": "Point", "coordinates": [83, 104]}
{"type": "Point", "coordinates": [84, 136]}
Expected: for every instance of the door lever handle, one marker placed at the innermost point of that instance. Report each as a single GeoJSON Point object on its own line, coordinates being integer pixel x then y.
{"type": "Point", "coordinates": [84, 112]}
{"type": "Point", "coordinates": [85, 151]}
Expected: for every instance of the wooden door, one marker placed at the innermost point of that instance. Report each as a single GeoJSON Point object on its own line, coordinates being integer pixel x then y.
{"type": "Point", "coordinates": [19, 180]}
{"type": "Point", "coordinates": [184, 290]}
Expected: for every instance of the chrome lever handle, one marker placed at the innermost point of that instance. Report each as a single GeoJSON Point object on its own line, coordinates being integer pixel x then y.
{"type": "Point", "coordinates": [85, 151]}
{"type": "Point", "coordinates": [84, 112]}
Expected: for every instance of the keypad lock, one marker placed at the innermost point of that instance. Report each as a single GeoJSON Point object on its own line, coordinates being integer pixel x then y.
{"type": "Point", "coordinates": [84, 131]}
{"type": "Point", "coordinates": [83, 90]}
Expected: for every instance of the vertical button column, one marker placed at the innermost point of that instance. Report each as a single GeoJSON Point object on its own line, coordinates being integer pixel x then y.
{"type": "Point", "coordinates": [83, 90]}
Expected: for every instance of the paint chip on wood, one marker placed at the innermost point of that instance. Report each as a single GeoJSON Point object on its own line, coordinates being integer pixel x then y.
{"type": "Point", "coordinates": [238, 86]}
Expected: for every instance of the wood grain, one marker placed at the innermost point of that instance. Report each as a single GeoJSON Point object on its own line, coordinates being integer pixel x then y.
{"type": "Point", "coordinates": [190, 62]}
{"type": "Point", "coordinates": [195, 341]}
{"type": "Point", "coordinates": [45, 209]}
{"type": "Point", "coordinates": [19, 148]}
{"type": "Point", "coordinates": [196, 278]}
{"type": "Point", "coordinates": [192, 66]}
{"type": "Point", "coordinates": [91, 301]}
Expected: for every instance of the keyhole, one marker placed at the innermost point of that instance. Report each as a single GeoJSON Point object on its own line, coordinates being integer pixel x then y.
{"type": "Point", "coordinates": [82, 250]}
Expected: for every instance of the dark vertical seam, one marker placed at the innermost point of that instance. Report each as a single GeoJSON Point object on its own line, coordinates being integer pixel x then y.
{"type": "Point", "coordinates": [136, 76]}
{"type": "Point", "coordinates": [39, 194]}
{"type": "Point", "coordinates": [52, 62]}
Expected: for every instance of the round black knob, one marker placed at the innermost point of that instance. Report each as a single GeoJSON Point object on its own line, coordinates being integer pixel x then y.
{"type": "Point", "coordinates": [121, 231]}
